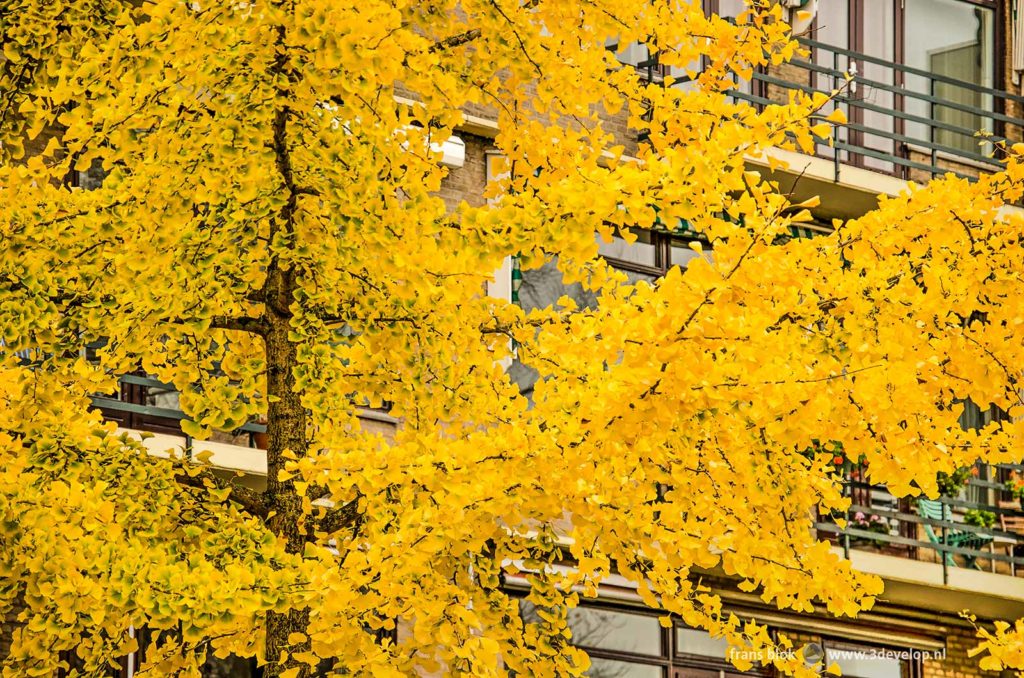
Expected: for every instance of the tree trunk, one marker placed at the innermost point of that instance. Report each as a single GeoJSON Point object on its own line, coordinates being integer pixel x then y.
{"type": "Point", "coordinates": [286, 417]}
{"type": "Point", "coordinates": [9, 623]}
{"type": "Point", "coordinates": [286, 431]}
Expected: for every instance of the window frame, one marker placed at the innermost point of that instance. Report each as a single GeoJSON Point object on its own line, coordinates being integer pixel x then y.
{"type": "Point", "coordinates": [909, 668]}
{"type": "Point", "coordinates": [671, 661]}
{"type": "Point", "coordinates": [662, 241]}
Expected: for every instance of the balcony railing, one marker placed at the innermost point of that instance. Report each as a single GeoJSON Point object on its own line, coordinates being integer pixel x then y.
{"type": "Point", "coordinates": [934, 530]}
{"type": "Point", "coordinates": [903, 121]}
{"type": "Point", "coordinates": [876, 520]}
{"type": "Point", "coordinates": [143, 403]}
{"type": "Point", "coordinates": [919, 529]}
{"type": "Point", "coordinates": [146, 404]}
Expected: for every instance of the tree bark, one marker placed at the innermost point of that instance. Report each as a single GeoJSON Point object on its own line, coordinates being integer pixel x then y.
{"type": "Point", "coordinates": [286, 431]}
{"type": "Point", "coordinates": [286, 416]}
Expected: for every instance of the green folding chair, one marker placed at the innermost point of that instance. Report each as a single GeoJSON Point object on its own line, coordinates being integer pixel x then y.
{"type": "Point", "coordinates": [936, 510]}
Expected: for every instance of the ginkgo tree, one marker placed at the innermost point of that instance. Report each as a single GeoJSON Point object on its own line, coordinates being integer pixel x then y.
{"type": "Point", "coordinates": [268, 236]}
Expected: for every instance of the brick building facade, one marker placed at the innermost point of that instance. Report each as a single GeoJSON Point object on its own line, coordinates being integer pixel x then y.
{"type": "Point", "coordinates": [917, 631]}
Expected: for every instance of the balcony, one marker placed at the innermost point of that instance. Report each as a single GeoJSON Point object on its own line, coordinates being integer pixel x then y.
{"type": "Point", "coordinates": [146, 404]}
{"type": "Point", "coordinates": [905, 122]}
{"type": "Point", "coordinates": [142, 404]}
{"type": "Point", "coordinates": [939, 535]}
{"type": "Point", "coordinates": [973, 541]}
{"type": "Point", "coordinates": [931, 558]}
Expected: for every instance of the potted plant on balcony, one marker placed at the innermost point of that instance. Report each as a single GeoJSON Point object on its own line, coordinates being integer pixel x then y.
{"type": "Point", "coordinates": [870, 523]}
{"type": "Point", "coordinates": [952, 484]}
{"type": "Point", "coordinates": [1015, 486]}
{"type": "Point", "coordinates": [979, 518]}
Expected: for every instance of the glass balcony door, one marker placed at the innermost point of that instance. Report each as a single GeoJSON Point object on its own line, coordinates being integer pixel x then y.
{"type": "Point", "coordinates": [954, 40]}
{"type": "Point", "coordinates": [873, 28]}
{"type": "Point", "coordinates": [917, 90]}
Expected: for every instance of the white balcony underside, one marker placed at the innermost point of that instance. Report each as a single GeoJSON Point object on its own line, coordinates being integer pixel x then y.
{"type": "Point", "coordinates": [920, 584]}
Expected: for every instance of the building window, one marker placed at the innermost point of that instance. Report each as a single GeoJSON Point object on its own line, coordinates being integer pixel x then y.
{"type": "Point", "coordinates": [632, 644]}
{"type": "Point", "coordinates": [643, 261]}
{"type": "Point", "coordinates": [616, 631]}
{"type": "Point", "coordinates": [953, 40]}
{"type": "Point", "coordinates": [951, 47]}
{"type": "Point", "coordinates": [651, 256]}
{"type": "Point", "coordinates": [871, 661]}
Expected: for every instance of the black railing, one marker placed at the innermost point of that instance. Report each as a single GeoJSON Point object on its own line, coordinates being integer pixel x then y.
{"type": "Point", "coordinates": [903, 120]}
{"type": "Point", "coordinates": [941, 535]}
{"type": "Point", "coordinates": [877, 521]}
{"type": "Point", "coordinates": [144, 403]}
{"type": "Point", "coordinates": [147, 404]}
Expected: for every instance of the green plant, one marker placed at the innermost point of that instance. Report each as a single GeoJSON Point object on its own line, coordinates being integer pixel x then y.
{"type": "Point", "coordinates": [950, 484]}
{"type": "Point", "coordinates": [980, 518]}
{"type": "Point", "coordinates": [1015, 485]}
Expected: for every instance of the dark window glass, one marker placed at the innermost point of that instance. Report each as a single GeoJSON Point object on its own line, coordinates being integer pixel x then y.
{"type": "Point", "coordinates": [616, 668]}
{"type": "Point", "coordinates": [868, 661]}
{"type": "Point", "coordinates": [618, 631]}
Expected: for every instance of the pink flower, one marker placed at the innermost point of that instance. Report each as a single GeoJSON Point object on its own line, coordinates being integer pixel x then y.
{"type": "Point", "coordinates": [859, 517]}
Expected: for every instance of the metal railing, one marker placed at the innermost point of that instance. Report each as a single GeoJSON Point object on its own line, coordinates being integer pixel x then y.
{"type": "Point", "coordinates": [903, 121]}
{"type": "Point", "coordinates": [905, 536]}
{"type": "Point", "coordinates": [132, 406]}
{"type": "Point", "coordinates": [953, 542]}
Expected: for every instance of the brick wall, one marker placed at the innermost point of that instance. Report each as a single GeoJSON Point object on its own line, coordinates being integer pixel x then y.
{"type": "Point", "coordinates": [957, 663]}
{"type": "Point", "coordinates": [789, 73]}
{"type": "Point", "coordinates": [468, 182]}
{"type": "Point", "coordinates": [942, 164]}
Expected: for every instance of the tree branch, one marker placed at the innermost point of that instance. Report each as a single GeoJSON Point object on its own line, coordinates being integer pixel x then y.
{"type": "Point", "coordinates": [250, 501]}
{"type": "Point", "coordinates": [344, 516]}
{"type": "Point", "coordinates": [226, 322]}
{"type": "Point", "coordinates": [455, 40]}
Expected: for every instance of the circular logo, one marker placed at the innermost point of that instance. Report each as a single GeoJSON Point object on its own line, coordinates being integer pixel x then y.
{"type": "Point", "coordinates": [813, 654]}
